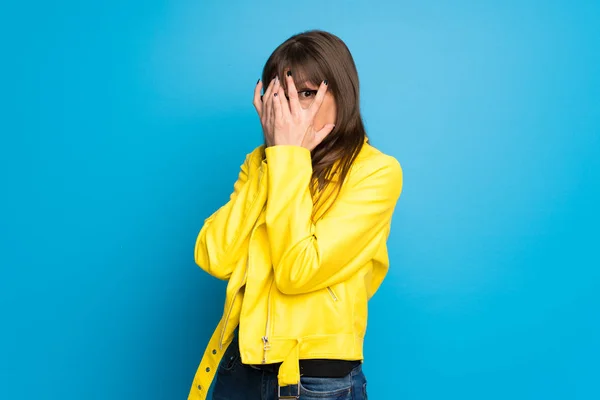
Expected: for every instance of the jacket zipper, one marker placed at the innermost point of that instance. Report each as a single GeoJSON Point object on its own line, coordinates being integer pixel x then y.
{"type": "Point", "coordinates": [332, 293]}
{"type": "Point", "coordinates": [244, 280]}
{"type": "Point", "coordinates": [235, 296]}
{"type": "Point", "coordinates": [265, 339]}
{"type": "Point", "coordinates": [231, 309]}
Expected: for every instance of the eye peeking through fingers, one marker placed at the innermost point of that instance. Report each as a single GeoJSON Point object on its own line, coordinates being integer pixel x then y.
{"type": "Point", "coordinates": [305, 94]}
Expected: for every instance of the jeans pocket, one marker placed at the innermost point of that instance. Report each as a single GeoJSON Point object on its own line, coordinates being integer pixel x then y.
{"type": "Point", "coordinates": [326, 388]}
{"type": "Point", "coordinates": [231, 359]}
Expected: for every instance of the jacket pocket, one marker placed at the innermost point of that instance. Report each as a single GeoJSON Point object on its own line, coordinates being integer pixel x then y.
{"type": "Point", "coordinates": [332, 293]}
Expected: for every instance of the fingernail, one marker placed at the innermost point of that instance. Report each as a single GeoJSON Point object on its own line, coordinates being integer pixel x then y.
{"type": "Point", "coordinates": [289, 73]}
{"type": "Point", "coordinates": [325, 81]}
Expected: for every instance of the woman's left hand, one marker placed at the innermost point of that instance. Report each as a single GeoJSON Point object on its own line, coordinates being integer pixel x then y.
{"type": "Point", "coordinates": [291, 124]}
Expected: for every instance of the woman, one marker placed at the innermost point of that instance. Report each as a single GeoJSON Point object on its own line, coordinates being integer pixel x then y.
{"type": "Point", "coordinates": [302, 240]}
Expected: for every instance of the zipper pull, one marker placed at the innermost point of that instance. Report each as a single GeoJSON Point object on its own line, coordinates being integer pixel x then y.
{"type": "Point", "coordinates": [331, 292]}
{"type": "Point", "coordinates": [266, 346]}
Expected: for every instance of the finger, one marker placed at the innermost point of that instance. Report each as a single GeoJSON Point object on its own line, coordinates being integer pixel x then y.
{"type": "Point", "coordinates": [285, 107]}
{"type": "Point", "coordinates": [269, 88]}
{"type": "Point", "coordinates": [274, 94]}
{"type": "Point", "coordinates": [292, 93]}
{"type": "Point", "coordinates": [277, 113]}
{"type": "Point", "coordinates": [322, 133]}
{"type": "Point", "coordinates": [257, 101]}
{"type": "Point", "coordinates": [316, 104]}
{"type": "Point", "coordinates": [267, 100]}
{"type": "Point", "coordinates": [276, 85]}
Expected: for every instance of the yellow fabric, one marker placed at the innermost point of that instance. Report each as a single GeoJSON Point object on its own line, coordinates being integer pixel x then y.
{"type": "Point", "coordinates": [298, 288]}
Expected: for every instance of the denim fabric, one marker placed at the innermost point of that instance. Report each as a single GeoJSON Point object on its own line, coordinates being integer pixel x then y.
{"type": "Point", "coordinates": [236, 381]}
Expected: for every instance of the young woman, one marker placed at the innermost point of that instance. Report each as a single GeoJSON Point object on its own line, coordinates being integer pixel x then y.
{"type": "Point", "coordinates": [302, 240]}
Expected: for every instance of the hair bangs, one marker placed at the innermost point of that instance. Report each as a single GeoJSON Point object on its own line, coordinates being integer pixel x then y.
{"type": "Point", "coordinates": [305, 67]}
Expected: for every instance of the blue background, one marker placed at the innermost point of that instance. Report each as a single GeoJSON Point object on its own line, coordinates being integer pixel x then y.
{"type": "Point", "coordinates": [124, 124]}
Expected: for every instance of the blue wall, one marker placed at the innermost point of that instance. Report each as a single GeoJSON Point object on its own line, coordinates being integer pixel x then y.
{"type": "Point", "coordinates": [123, 126]}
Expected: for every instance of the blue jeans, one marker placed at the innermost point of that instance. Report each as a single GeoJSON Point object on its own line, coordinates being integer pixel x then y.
{"type": "Point", "coordinates": [237, 381]}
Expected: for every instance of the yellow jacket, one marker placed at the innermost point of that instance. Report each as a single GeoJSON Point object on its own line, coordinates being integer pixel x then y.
{"type": "Point", "coordinates": [298, 285]}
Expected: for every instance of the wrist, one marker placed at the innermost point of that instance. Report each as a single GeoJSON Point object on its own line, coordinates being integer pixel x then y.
{"type": "Point", "coordinates": [286, 143]}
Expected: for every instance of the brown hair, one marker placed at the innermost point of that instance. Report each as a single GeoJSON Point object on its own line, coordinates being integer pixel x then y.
{"type": "Point", "coordinates": [314, 56]}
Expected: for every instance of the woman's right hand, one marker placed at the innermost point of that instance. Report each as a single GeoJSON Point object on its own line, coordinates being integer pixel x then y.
{"type": "Point", "coordinates": [265, 108]}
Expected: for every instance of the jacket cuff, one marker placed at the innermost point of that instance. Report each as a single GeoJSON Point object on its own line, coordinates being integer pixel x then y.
{"type": "Point", "coordinates": [291, 157]}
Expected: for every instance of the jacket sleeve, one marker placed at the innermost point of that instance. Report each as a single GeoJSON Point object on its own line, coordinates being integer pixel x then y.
{"type": "Point", "coordinates": [310, 256]}
{"type": "Point", "coordinates": [223, 237]}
